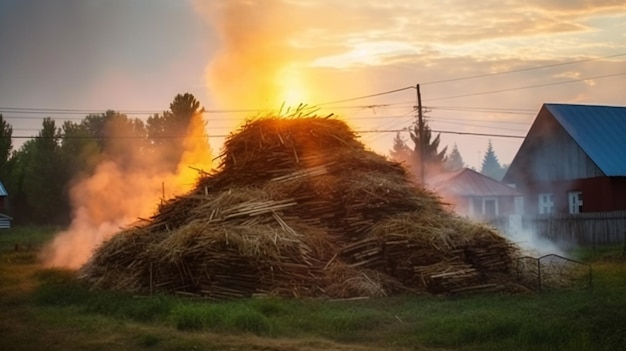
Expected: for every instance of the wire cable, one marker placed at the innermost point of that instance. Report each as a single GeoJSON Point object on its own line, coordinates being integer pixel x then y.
{"type": "Point", "coordinates": [527, 87]}
{"type": "Point", "coordinates": [523, 69]}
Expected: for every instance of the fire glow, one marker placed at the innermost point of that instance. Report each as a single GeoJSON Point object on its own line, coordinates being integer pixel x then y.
{"type": "Point", "coordinates": [254, 68]}
{"type": "Point", "coordinates": [116, 196]}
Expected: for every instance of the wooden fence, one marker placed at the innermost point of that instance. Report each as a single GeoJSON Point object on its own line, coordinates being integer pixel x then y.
{"type": "Point", "coordinates": [583, 228]}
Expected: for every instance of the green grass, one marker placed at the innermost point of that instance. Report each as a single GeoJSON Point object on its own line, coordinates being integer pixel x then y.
{"type": "Point", "coordinates": [53, 310]}
{"type": "Point", "coordinates": [25, 238]}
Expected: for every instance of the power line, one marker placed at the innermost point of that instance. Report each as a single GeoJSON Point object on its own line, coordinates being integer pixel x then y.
{"type": "Point", "coordinates": [528, 87]}
{"type": "Point", "coordinates": [367, 96]}
{"type": "Point", "coordinates": [446, 132]}
{"type": "Point", "coordinates": [128, 137]}
{"type": "Point", "coordinates": [222, 111]}
{"type": "Point", "coordinates": [523, 69]}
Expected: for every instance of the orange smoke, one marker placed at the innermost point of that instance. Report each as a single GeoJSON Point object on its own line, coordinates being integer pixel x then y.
{"type": "Point", "coordinates": [255, 67]}
{"type": "Point", "coordinates": [118, 194]}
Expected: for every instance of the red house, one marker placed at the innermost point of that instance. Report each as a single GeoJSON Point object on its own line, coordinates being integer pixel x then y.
{"type": "Point", "coordinates": [573, 160]}
{"type": "Point", "coordinates": [571, 169]}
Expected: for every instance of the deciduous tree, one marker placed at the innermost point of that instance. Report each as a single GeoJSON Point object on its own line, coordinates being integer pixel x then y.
{"type": "Point", "coordinates": [166, 131]}
{"type": "Point", "coordinates": [46, 178]}
{"type": "Point", "coordinates": [6, 147]}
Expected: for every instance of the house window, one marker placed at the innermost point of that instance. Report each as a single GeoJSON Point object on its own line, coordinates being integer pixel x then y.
{"type": "Point", "coordinates": [575, 202]}
{"type": "Point", "coordinates": [546, 203]}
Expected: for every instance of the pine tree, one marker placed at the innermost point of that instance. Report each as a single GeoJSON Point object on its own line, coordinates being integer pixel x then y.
{"type": "Point", "coordinates": [491, 166]}
{"type": "Point", "coordinates": [454, 161]}
{"type": "Point", "coordinates": [433, 159]}
{"type": "Point", "coordinates": [400, 152]}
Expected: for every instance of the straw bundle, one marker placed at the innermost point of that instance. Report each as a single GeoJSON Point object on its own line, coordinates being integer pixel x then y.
{"type": "Point", "coordinates": [299, 207]}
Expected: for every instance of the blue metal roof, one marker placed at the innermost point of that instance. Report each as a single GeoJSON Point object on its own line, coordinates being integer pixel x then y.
{"type": "Point", "coordinates": [599, 130]}
{"type": "Point", "coordinates": [3, 191]}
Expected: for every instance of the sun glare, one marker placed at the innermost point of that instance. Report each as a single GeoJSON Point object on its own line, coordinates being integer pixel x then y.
{"type": "Point", "coordinates": [291, 87]}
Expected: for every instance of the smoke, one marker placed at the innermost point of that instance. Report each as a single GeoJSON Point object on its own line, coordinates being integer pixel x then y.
{"type": "Point", "coordinates": [256, 65]}
{"type": "Point", "coordinates": [531, 243]}
{"type": "Point", "coordinates": [121, 191]}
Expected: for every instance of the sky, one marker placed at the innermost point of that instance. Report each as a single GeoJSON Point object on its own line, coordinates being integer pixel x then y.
{"type": "Point", "coordinates": [483, 67]}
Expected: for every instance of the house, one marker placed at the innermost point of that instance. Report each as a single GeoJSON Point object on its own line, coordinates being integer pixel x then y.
{"type": "Point", "coordinates": [571, 168]}
{"type": "Point", "coordinates": [5, 221]}
{"type": "Point", "coordinates": [572, 160]}
{"type": "Point", "coordinates": [477, 196]}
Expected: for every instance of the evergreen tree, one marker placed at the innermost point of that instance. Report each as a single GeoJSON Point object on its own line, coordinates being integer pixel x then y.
{"type": "Point", "coordinates": [454, 161]}
{"type": "Point", "coordinates": [491, 166]}
{"type": "Point", "coordinates": [400, 152]}
{"type": "Point", "coordinates": [433, 159]}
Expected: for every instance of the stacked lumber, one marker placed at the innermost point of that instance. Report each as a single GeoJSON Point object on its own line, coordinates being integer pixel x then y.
{"type": "Point", "coordinates": [299, 207]}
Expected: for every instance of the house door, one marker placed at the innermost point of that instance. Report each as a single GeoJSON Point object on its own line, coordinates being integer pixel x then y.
{"type": "Point", "coordinates": [490, 207]}
{"type": "Point", "coordinates": [575, 200]}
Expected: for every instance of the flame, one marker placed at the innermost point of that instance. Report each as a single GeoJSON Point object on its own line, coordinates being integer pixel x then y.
{"type": "Point", "coordinates": [195, 158]}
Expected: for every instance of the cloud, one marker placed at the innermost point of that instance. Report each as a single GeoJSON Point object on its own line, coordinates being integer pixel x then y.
{"type": "Point", "coordinates": [340, 31]}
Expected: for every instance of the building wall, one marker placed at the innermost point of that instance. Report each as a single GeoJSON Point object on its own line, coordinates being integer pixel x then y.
{"type": "Point", "coordinates": [599, 194]}
{"type": "Point", "coordinates": [467, 204]}
{"type": "Point", "coordinates": [618, 193]}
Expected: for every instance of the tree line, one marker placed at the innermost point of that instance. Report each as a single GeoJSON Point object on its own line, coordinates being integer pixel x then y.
{"type": "Point", "coordinates": [39, 175]}
{"type": "Point", "coordinates": [436, 161]}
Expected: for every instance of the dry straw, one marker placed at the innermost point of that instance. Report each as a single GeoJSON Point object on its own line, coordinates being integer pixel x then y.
{"type": "Point", "coordinates": [299, 207]}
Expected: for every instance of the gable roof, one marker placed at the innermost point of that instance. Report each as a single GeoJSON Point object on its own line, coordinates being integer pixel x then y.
{"type": "Point", "coordinates": [3, 190]}
{"type": "Point", "coordinates": [599, 130]}
{"type": "Point", "coordinates": [468, 182]}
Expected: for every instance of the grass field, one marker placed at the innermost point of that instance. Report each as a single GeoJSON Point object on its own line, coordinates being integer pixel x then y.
{"type": "Point", "coordinates": [42, 309]}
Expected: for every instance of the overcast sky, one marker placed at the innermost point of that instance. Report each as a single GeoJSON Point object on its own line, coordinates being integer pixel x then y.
{"type": "Point", "coordinates": [136, 55]}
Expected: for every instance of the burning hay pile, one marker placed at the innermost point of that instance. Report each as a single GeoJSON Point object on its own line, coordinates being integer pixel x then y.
{"type": "Point", "coordinates": [300, 208]}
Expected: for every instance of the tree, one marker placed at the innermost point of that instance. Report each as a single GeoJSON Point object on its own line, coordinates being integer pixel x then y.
{"type": "Point", "coordinates": [15, 183]}
{"type": "Point", "coordinates": [126, 139]}
{"type": "Point", "coordinates": [433, 159]}
{"type": "Point", "coordinates": [454, 161]}
{"type": "Point", "coordinates": [6, 147]}
{"type": "Point", "coordinates": [118, 138]}
{"type": "Point", "coordinates": [80, 151]}
{"type": "Point", "coordinates": [46, 178]}
{"type": "Point", "coordinates": [491, 166]}
{"type": "Point", "coordinates": [400, 152]}
{"type": "Point", "coordinates": [166, 131]}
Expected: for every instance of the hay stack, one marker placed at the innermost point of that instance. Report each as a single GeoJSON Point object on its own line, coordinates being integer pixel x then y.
{"type": "Point", "coordinates": [299, 207]}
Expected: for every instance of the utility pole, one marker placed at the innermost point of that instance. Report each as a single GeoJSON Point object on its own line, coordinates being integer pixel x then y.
{"type": "Point", "coordinates": [420, 133]}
